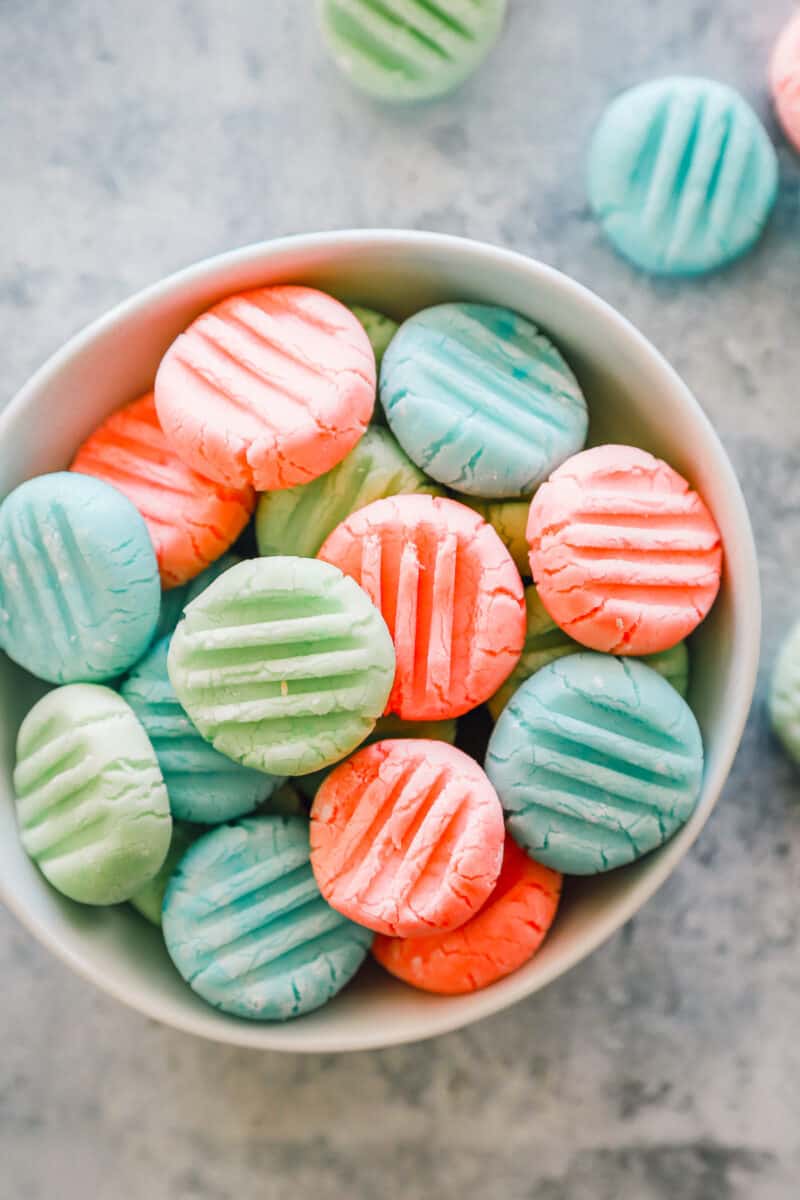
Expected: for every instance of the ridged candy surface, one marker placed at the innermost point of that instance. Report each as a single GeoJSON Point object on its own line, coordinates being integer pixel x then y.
{"type": "Point", "coordinates": [499, 939]}
{"type": "Point", "coordinates": [174, 601]}
{"type": "Point", "coordinates": [92, 807]}
{"type": "Point", "coordinates": [297, 520]}
{"type": "Point", "coordinates": [405, 50]}
{"type": "Point", "coordinates": [191, 520]}
{"type": "Point", "coordinates": [597, 760]}
{"type": "Point", "coordinates": [784, 76]}
{"type": "Point", "coordinates": [203, 785]}
{"type": "Point", "coordinates": [407, 837]}
{"type": "Point", "coordinates": [247, 928]}
{"type": "Point", "coordinates": [450, 593]}
{"type": "Point", "coordinates": [79, 588]}
{"type": "Point", "coordinates": [283, 664]}
{"type": "Point", "coordinates": [481, 400]}
{"type": "Point", "coordinates": [149, 900]}
{"type": "Point", "coordinates": [625, 555]}
{"type": "Point", "coordinates": [682, 175]}
{"type": "Point", "coordinates": [269, 388]}
{"type": "Point", "coordinates": [784, 698]}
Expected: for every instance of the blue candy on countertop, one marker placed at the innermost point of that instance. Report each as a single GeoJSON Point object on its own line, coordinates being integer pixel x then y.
{"type": "Point", "coordinates": [682, 175]}
{"type": "Point", "coordinates": [246, 925]}
{"type": "Point", "coordinates": [203, 785]}
{"type": "Point", "coordinates": [481, 400]}
{"type": "Point", "coordinates": [597, 760]}
{"type": "Point", "coordinates": [79, 584]}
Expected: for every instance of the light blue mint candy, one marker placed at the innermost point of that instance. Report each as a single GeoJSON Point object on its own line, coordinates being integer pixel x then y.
{"type": "Point", "coordinates": [481, 400]}
{"type": "Point", "coordinates": [597, 760]}
{"type": "Point", "coordinates": [246, 926]}
{"type": "Point", "coordinates": [682, 175]}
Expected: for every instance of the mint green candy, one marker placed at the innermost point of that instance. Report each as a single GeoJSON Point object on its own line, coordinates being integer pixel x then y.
{"type": "Point", "coordinates": [379, 329]}
{"type": "Point", "coordinates": [402, 50]}
{"type": "Point", "coordinates": [784, 697]}
{"type": "Point", "coordinates": [149, 900]}
{"type": "Point", "coordinates": [92, 807]}
{"type": "Point", "coordinates": [175, 600]}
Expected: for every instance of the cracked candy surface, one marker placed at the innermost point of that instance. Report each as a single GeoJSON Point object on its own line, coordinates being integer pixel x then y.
{"type": "Point", "coordinates": [247, 928]}
{"type": "Point", "coordinates": [784, 697]}
{"type": "Point", "coordinates": [545, 642]}
{"type": "Point", "coordinates": [203, 785]}
{"type": "Point", "coordinates": [174, 601]}
{"type": "Point", "coordinates": [79, 589]}
{"type": "Point", "coordinates": [682, 175]}
{"type": "Point", "coordinates": [92, 807]}
{"type": "Point", "coordinates": [191, 519]}
{"type": "Point", "coordinates": [597, 760]}
{"type": "Point", "coordinates": [502, 937]}
{"type": "Point", "coordinates": [406, 50]}
{"type": "Point", "coordinates": [450, 593]}
{"type": "Point", "coordinates": [283, 664]}
{"type": "Point", "coordinates": [269, 388]}
{"type": "Point", "coordinates": [784, 77]}
{"type": "Point", "coordinates": [149, 900]}
{"type": "Point", "coordinates": [626, 557]}
{"type": "Point", "coordinates": [481, 400]}
{"type": "Point", "coordinates": [407, 837]}
{"type": "Point", "coordinates": [298, 520]}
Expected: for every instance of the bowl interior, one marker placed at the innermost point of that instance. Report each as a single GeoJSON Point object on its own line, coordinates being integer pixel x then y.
{"type": "Point", "coordinates": [634, 397]}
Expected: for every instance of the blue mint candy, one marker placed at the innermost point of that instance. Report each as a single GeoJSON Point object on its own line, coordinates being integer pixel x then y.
{"type": "Point", "coordinates": [246, 926]}
{"type": "Point", "coordinates": [203, 785]}
{"type": "Point", "coordinates": [79, 585]}
{"type": "Point", "coordinates": [597, 760]}
{"type": "Point", "coordinates": [682, 175]}
{"type": "Point", "coordinates": [481, 400]}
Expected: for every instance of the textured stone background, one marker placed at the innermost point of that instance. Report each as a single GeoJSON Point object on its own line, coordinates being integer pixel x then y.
{"type": "Point", "coordinates": [138, 137]}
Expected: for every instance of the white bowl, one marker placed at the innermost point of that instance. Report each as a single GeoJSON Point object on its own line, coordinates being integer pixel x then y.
{"type": "Point", "coordinates": [634, 396]}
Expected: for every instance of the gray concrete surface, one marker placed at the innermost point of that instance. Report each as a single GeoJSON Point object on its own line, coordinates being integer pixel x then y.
{"type": "Point", "coordinates": [138, 137]}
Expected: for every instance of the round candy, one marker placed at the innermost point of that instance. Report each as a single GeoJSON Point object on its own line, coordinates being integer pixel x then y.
{"type": "Point", "coordinates": [79, 590]}
{"type": "Point", "coordinates": [283, 664]}
{"type": "Point", "coordinates": [379, 329]}
{"type": "Point", "coordinates": [298, 520]}
{"type": "Point", "coordinates": [190, 519]}
{"type": "Point", "coordinates": [451, 596]}
{"type": "Point", "coordinates": [203, 785]}
{"type": "Point", "coordinates": [268, 388]}
{"type": "Point", "coordinates": [246, 927]}
{"type": "Point", "coordinates": [92, 808]}
{"type": "Point", "coordinates": [682, 175]}
{"type": "Point", "coordinates": [784, 76]}
{"type": "Point", "coordinates": [407, 837]}
{"type": "Point", "coordinates": [597, 760]}
{"type": "Point", "coordinates": [149, 899]}
{"type": "Point", "coordinates": [509, 520]}
{"type": "Point", "coordinates": [502, 937]}
{"type": "Point", "coordinates": [784, 699]}
{"type": "Point", "coordinates": [401, 50]}
{"type": "Point", "coordinates": [481, 400]}
{"type": "Point", "coordinates": [625, 555]}
{"type": "Point", "coordinates": [177, 599]}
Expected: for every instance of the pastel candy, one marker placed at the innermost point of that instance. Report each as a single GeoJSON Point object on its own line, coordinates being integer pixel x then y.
{"type": "Point", "coordinates": [545, 642]}
{"type": "Point", "coordinates": [149, 899]}
{"type": "Point", "coordinates": [79, 590]}
{"type": "Point", "coordinates": [597, 760]}
{"type": "Point", "coordinates": [784, 697]}
{"type": "Point", "coordinates": [682, 175]}
{"type": "Point", "coordinates": [451, 596]}
{"type": "Point", "coordinates": [481, 400]}
{"type": "Point", "coordinates": [191, 520]}
{"type": "Point", "coordinates": [784, 77]}
{"type": "Point", "coordinates": [177, 599]}
{"type": "Point", "coordinates": [406, 50]}
{"type": "Point", "coordinates": [92, 808]}
{"type": "Point", "coordinates": [283, 664]}
{"type": "Point", "coordinates": [509, 520]}
{"type": "Point", "coordinates": [246, 927]}
{"type": "Point", "coordinates": [298, 520]}
{"type": "Point", "coordinates": [379, 329]}
{"type": "Point", "coordinates": [203, 785]}
{"type": "Point", "coordinates": [269, 388]}
{"type": "Point", "coordinates": [626, 557]}
{"type": "Point", "coordinates": [499, 939]}
{"type": "Point", "coordinates": [407, 837]}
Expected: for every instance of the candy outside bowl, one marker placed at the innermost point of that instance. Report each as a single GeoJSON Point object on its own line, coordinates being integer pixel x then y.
{"type": "Point", "coordinates": [634, 397]}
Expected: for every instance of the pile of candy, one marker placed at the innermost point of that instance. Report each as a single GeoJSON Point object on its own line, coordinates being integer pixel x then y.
{"type": "Point", "coordinates": [386, 602]}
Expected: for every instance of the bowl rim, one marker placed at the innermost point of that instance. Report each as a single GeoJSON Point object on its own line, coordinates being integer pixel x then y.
{"type": "Point", "coordinates": [441, 1019]}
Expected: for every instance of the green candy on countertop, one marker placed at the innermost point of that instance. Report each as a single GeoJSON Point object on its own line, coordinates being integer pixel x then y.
{"type": "Point", "coordinates": [150, 898]}
{"type": "Point", "coordinates": [784, 696]}
{"type": "Point", "coordinates": [296, 521]}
